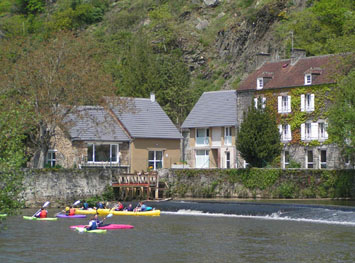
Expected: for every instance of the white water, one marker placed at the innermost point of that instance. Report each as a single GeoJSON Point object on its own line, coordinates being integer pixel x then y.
{"type": "Point", "coordinates": [273, 216]}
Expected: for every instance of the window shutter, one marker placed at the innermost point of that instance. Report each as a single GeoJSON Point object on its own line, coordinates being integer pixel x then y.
{"type": "Point", "coordinates": [325, 131]}
{"type": "Point", "coordinates": [289, 104]}
{"type": "Point", "coordinates": [314, 130]}
{"type": "Point", "coordinates": [302, 102]}
{"type": "Point", "coordinates": [264, 102]}
{"type": "Point", "coordinates": [289, 135]}
{"type": "Point", "coordinates": [303, 131]}
{"type": "Point", "coordinates": [279, 104]}
{"type": "Point", "coordinates": [312, 102]}
{"type": "Point", "coordinates": [256, 103]}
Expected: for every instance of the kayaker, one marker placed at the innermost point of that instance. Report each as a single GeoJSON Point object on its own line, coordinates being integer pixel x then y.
{"type": "Point", "coordinates": [42, 214]}
{"type": "Point", "coordinates": [71, 211]}
{"type": "Point", "coordinates": [92, 224]}
{"type": "Point", "coordinates": [98, 222]}
{"type": "Point", "coordinates": [119, 207]}
{"type": "Point", "coordinates": [130, 207]}
{"type": "Point", "coordinates": [143, 207]}
{"type": "Point", "coordinates": [85, 205]}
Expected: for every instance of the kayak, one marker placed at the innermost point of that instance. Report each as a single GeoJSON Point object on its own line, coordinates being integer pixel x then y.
{"type": "Point", "coordinates": [3, 215]}
{"type": "Point", "coordinates": [74, 216]}
{"type": "Point", "coordinates": [104, 212]}
{"type": "Point", "coordinates": [96, 231]}
{"type": "Point", "coordinates": [108, 226]}
{"type": "Point", "coordinates": [40, 219]}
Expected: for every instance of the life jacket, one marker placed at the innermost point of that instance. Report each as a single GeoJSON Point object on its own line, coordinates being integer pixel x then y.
{"type": "Point", "coordinates": [143, 207]}
{"type": "Point", "coordinates": [86, 206]}
{"type": "Point", "coordinates": [120, 207]}
{"type": "Point", "coordinates": [93, 225]}
{"type": "Point", "coordinates": [72, 211]}
{"type": "Point", "coordinates": [43, 214]}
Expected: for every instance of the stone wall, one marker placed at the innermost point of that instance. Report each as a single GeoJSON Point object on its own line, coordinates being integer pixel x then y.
{"type": "Point", "coordinates": [259, 183]}
{"type": "Point", "coordinates": [63, 186]}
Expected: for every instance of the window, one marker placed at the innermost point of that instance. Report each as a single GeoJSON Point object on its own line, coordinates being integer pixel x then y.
{"type": "Point", "coordinates": [309, 131]}
{"type": "Point", "coordinates": [309, 159]}
{"type": "Point", "coordinates": [228, 160]}
{"type": "Point", "coordinates": [307, 102]}
{"type": "Point", "coordinates": [284, 104]}
{"type": "Point", "coordinates": [285, 131]}
{"type": "Point", "coordinates": [245, 164]}
{"type": "Point", "coordinates": [263, 100]}
{"type": "Point", "coordinates": [260, 83]}
{"type": "Point", "coordinates": [322, 129]}
{"type": "Point", "coordinates": [103, 153]}
{"type": "Point", "coordinates": [323, 159]}
{"type": "Point", "coordinates": [202, 136]}
{"type": "Point", "coordinates": [202, 159]}
{"type": "Point", "coordinates": [228, 136]}
{"type": "Point", "coordinates": [286, 159]}
{"type": "Point", "coordinates": [155, 160]}
{"type": "Point", "coordinates": [51, 158]}
{"type": "Point", "coordinates": [308, 79]}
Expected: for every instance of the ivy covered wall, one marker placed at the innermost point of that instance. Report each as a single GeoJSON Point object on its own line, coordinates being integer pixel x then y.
{"type": "Point", "coordinates": [260, 183]}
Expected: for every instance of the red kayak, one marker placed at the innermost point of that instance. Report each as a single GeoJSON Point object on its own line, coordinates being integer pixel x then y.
{"type": "Point", "coordinates": [109, 226]}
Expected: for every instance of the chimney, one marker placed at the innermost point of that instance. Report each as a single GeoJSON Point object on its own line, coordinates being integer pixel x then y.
{"type": "Point", "coordinates": [261, 58]}
{"type": "Point", "coordinates": [296, 54]}
{"type": "Point", "coordinates": [152, 97]}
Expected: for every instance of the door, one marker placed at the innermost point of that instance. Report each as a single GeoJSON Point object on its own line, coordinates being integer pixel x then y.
{"type": "Point", "coordinates": [202, 159]}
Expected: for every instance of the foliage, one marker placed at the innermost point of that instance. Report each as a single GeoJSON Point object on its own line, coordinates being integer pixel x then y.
{"type": "Point", "coordinates": [52, 77]}
{"type": "Point", "coordinates": [342, 116]}
{"type": "Point", "coordinates": [326, 27]}
{"type": "Point", "coordinates": [108, 193]}
{"type": "Point", "coordinates": [258, 138]}
{"type": "Point", "coordinates": [286, 190]}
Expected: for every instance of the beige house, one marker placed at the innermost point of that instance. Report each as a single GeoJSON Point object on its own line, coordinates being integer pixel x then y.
{"type": "Point", "coordinates": [209, 131]}
{"type": "Point", "coordinates": [135, 140]}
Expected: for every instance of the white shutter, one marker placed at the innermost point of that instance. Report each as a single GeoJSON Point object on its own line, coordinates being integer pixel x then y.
{"type": "Point", "coordinates": [312, 102]}
{"type": "Point", "coordinates": [303, 131]}
{"type": "Point", "coordinates": [325, 131]}
{"type": "Point", "coordinates": [256, 103]}
{"type": "Point", "coordinates": [264, 103]}
{"type": "Point", "coordinates": [279, 104]}
{"type": "Point", "coordinates": [302, 102]}
{"type": "Point", "coordinates": [289, 135]}
{"type": "Point", "coordinates": [314, 130]}
{"type": "Point", "coordinates": [280, 130]}
{"type": "Point", "coordinates": [289, 104]}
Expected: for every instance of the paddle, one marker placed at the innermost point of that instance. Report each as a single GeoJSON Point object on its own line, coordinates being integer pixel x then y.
{"type": "Point", "coordinates": [74, 204]}
{"type": "Point", "coordinates": [44, 205]}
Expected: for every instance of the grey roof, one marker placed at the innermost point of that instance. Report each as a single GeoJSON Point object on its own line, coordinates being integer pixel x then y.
{"type": "Point", "coordinates": [93, 123]}
{"type": "Point", "coordinates": [213, 109]}
{"type": "Point", "coordinates": [147, 120]}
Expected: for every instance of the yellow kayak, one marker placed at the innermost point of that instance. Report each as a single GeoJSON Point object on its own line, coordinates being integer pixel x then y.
{"type": "Point", "coordinates": [104, 212]}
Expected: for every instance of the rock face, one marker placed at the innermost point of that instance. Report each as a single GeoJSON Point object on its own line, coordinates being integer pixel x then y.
{"type": "Point", "coordinates": [211, 3]}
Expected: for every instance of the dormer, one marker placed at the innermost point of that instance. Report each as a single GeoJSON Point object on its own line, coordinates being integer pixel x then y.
{"type": "Point", "coordinates": [311, 74]}
{"type": "Point", "coordinates": [263, 79]}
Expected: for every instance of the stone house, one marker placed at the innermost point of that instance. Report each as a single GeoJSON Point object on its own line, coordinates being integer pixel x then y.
{"type": "Point", "coordinates": [209, 131]}
{"type": "Point", "coordinates": [298, 92]}
{"type": "Point", "coordinates": [133, 140]}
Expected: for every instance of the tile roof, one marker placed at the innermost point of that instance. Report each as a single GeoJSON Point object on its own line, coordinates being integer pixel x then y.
{"type": "Point", "coordinates": [94, 123]}
{"type": "Point", "coordinates": [213, 109]}
{"type": "Point", "coordinates": [284, 74]}
{"type": "Point", "coordinates": [147, 120]}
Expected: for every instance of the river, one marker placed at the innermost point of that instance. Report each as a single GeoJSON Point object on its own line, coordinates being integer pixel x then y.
{"type": "Point", "coordinates": [193, 231]}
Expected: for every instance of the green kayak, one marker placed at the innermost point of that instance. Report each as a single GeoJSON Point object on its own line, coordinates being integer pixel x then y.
{"type": "Point", "coordinates": [40, 219]}
{"type": "Point", "coordinates": [96, 231]}
{"type": "Point", "coordinates": [3, 215]}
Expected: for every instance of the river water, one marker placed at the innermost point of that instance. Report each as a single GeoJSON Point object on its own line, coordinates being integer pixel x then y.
{"type": "Point", "coordinates": [192, 231]}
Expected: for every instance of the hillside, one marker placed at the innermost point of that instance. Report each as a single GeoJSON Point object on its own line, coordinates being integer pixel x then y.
{"type": "Point", "coordinates": [180, 48]}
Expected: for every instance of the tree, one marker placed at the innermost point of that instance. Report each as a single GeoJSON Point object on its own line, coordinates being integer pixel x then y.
{"type": "Point", "coordinates": [342, 116]}
{"type": "Point", "coordinates": [258, 138]}
{"type": "Point", "coordinates": [53, 78]}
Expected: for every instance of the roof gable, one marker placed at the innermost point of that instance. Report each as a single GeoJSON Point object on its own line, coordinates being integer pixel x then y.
{"type": "Point", "coordinates": [213, 109]}
{"type": "Point", "coordinates": [147, 120]}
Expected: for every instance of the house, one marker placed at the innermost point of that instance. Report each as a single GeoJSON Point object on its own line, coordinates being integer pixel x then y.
{"type": "Point", "coordinates": [298, 90]}
{"type": "Point", "coordinates": [209, 131]}
{"type": "Point", "coordinates": [140, 138]}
